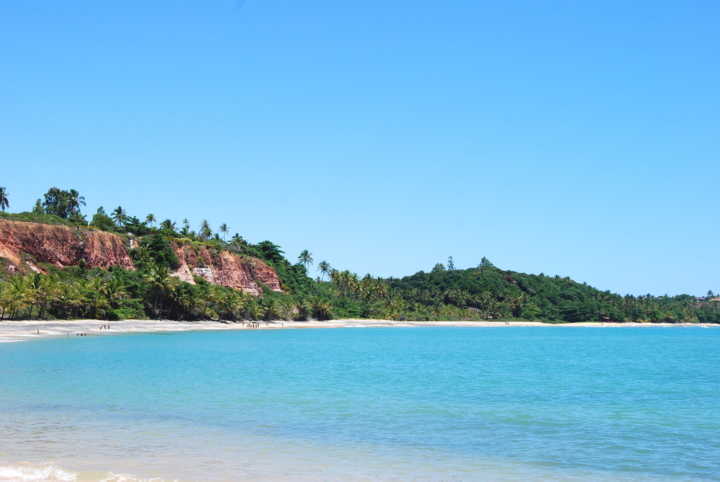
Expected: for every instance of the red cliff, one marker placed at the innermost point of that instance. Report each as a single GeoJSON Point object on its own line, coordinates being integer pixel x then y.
{"type": "Point", "coordinates": [26, 246]}
{"type": "Point", "coordinates": [225, 268]}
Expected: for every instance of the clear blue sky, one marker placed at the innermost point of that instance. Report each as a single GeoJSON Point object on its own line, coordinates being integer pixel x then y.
{"type": "Point", "coordinates": [564, 137]}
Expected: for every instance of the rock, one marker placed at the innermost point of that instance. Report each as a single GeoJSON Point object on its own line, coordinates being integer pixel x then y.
{"type": "Point", "coordinates": [61, 246]}
{"type": "Point", "coordinates": [225, 268]}
{"type": "Point", "coordinates": [26, 245]}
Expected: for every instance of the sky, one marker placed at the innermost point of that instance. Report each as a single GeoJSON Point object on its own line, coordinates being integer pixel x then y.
{"type": "Point", "coordinates": [557, 137]}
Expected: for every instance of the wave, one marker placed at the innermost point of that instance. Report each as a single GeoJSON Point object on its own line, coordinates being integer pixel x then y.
{"type": "Point", "coordinates": [52, 473]}
{"type": "Point", "coordinates": [26, 472]}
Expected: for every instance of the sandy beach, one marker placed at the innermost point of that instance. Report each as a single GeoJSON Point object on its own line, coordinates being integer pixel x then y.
{"type": "Point", "coordinates": [16, 331]}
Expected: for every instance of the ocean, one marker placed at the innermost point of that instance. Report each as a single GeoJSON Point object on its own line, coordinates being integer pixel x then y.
{"type": "Point", "coordinates": [436, 403]}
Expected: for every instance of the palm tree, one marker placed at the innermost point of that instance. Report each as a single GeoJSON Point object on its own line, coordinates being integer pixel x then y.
{"type": "Point", "coordinates": [113, 291]}
{"type": "Point", "coordinates": [48, 293]}
{"type": "Point", "coordinates": [168, 226]}
{"type": "Point", "coordinates": [94, 297]}
{"type": "Point", "coordinates": [224, 229]}
{"type": "Point", "coordinates": [324, 268]}
{"type": "Point", "coordinates": [205, 231]}
{"type": "Point", "coordinates": [119, 215]}
{"type": "Point", "coordinates": [150, 219]}
{"type": "Point", "coordinates": [305, 258]}
{"type": "Point", "coordinates": [75, 200]}
{"type": "Point", "coordinates": [238, 241]}
{"type": "Point", "coordinates": [19, 295]}
{"type": "Point", "coordinates": [4, 203]}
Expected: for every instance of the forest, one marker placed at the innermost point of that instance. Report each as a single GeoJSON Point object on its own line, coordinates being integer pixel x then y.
{"type": "Point", "coordinates": [485, 292]}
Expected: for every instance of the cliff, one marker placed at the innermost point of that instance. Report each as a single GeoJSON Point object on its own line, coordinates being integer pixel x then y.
{"type": "Point", "coordinates": [27, 246]}
{"type": "Point", "coordinates": [225, 268]}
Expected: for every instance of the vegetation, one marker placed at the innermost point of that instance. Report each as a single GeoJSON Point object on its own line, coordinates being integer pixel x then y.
{"type": "Point", "coordinates": [36, 217]}
{"type": "Point", "coordinates": [4, 202]}
{"type": "Point", "coordinates": [491, 293]}
{"type": "Point", "coordinates": [64, 204]}
{"type": "Point", "coordinates": [482, 293]}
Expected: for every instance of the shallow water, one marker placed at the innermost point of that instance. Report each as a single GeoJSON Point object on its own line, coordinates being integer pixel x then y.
{"type": "Point", "coordinates": [366, 404]}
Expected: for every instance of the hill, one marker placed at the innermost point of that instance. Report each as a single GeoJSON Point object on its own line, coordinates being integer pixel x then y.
{"type": "Point", "coordinates": [493, 293]}
{"type": "Point", "coordinates": [54, 264]}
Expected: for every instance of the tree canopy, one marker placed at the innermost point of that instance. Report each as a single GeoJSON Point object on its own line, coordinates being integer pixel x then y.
{"type": "Point", "coordinates": [63, 204]}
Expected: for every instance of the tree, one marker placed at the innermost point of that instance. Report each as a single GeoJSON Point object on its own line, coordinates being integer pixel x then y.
{"type": "Point", "coordinates": [64, 204]}
{"type": "Point", "coordinates": [450, 264]}
{"type": "Point", "coordinates": [438, 268]}
{"type": "Point", "coordinates": [485, 263]}
{"type": "Point", "coordinates": [38, 209]}
{"type": "Point", "coordinates": [157, 248]}
{"type": "Point", "coordinates": [114, 291]}
{"type": "Point", "coordinates": [150, 219]}
{"type": "Point", "coordinates": [270, 251]}
{"type": "Point", "coordinates": [324, 268]}
{"type": "Point", "coordinates": [205, 231]}
{"type": "Point", "coordinates": [530, 311]}
{"type": "Point", "coordinates": [186, 227]}
{"type": "Point", "coordinates": [238, 242]}
{"type": "Point", "coordinates": [305, 258]}
{"type": "Point", "coordinates": [119, 216]}
{"type": "Point", "coordinates": [135, 226]}
{"type": "Point", "coordinates": [4, 203]}
{"type": "Point", "coordinates": [168, 227]}
{"type": "Point", "coordinates": [102, 221]}
{"type": "Point", "coordinates": [224, 230]}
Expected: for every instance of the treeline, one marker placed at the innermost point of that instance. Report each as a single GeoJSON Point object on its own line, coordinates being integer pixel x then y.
{"type": "Point", "coordinates": [482, 293]}
{"type": "Point", "coordinates": [473, 294]}
{"type": "Point", "coordinates": [75, 293]}
{"type": "Point", "coordinates": [493, 293]}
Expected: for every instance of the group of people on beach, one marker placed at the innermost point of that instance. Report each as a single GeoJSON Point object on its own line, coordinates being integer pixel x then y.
{"type": "Point", "coordinates": [101, 327]}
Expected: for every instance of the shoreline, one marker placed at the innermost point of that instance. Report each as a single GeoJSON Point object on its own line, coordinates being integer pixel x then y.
{"type": "Point", "coordinates": [17, 331]}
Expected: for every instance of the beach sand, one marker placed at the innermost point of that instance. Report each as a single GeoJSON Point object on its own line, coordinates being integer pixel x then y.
{"type": "Point", "coordinates": [15, 331]}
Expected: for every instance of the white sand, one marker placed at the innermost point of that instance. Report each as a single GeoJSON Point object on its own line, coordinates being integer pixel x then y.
{"type": "Point", "coordinates": [13, 331]}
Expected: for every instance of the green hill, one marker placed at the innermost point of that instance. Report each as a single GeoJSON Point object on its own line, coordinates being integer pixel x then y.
{"type": "Point", "coordinates": [487, 292]}
{"type": "Point", "coordinates": [146, 287]}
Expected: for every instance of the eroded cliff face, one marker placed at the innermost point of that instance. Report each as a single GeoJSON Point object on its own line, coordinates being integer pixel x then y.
{"type": "Point", "coordinates": [225, 269]}
{"type": "Point", "coordinates": [26, 246]}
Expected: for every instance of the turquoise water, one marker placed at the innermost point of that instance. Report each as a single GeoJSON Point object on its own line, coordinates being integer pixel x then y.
{"type": "Point", "coordinates": [368, 404]}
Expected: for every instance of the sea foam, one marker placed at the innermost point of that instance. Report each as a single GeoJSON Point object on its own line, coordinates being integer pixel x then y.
{"type": "Point", "coordinates": [26, 472]}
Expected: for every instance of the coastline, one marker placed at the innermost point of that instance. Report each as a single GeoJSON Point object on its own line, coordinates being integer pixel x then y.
{"type": "Point", "coordinates": [17, 331]}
